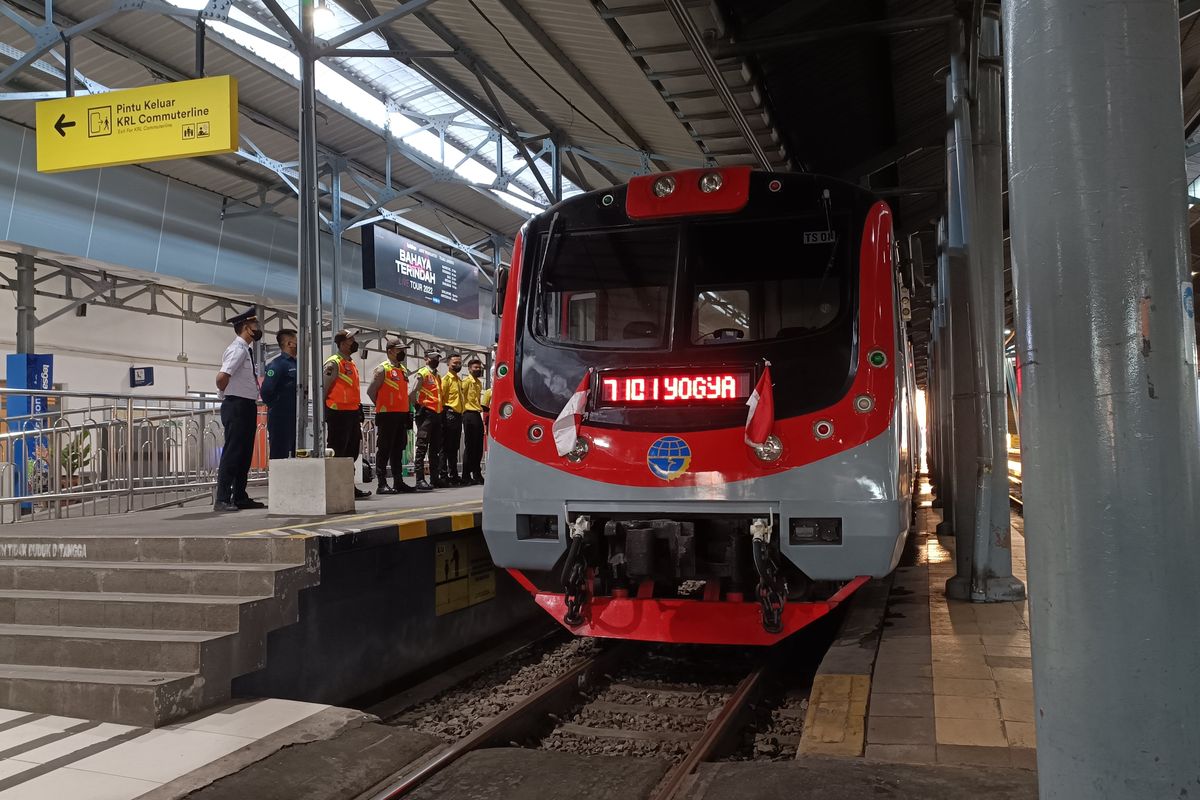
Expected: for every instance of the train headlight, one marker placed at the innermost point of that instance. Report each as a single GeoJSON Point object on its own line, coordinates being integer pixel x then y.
{"type": "Point", "coordinates": [770, 450]}
{"type": "Point", "coordinates": [506, 410]}
{"type": "Point", "coordinates": [711, 182]}
{"type": "Point", "coordinates": [664, 186]}
{"type": "Point", "coordinates": [864, 403]}
{"type": "Point", "coordinates": [579, 450]}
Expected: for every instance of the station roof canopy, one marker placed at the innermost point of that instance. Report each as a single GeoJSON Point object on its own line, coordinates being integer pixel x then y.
{"type": "Point", "coordinates": [452, 118]}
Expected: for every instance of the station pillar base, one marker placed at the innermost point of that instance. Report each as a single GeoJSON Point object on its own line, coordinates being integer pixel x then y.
{"type": "Point", "coordinates": [1000, 589]}
{"type": "Point", "coordinates": [304, 487]}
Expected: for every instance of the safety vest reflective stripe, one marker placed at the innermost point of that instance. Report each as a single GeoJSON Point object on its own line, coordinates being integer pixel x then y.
{"type": "Point", "coordinates": [344, 395]}
{"type": "Point", "coordinates": [430, 395]}
{"type": "Point", "coordinates": [393, 394]}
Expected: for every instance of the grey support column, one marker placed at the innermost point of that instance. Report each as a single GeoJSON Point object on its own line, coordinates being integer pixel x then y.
{"type": "Point", "coordinates": [1110, 439]}
{"type": "Point", "coordinates": [985, 551]}
{"type": "Point", "coordinates": [335, 231]}
{"type": "Point", "coordinates": [26, 303]}
{"type": "Point", "coordinates": [309, 316]}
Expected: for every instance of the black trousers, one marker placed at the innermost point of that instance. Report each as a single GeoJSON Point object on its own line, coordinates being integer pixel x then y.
{"type": "Point", "coordinates": [391, 436]}
{"type": "Point", "coordinates": [452, 427]}
{"type": "Point", "coordinates": [344, 432]}
{"type": "Point", "coordinates": [429, 441]}
{"type": "Point", "coordinates": [472, 425]}
{"type": "Point", "coordinates": [239, 415]}
{"type": "Point", "coordinates": [281, 429]}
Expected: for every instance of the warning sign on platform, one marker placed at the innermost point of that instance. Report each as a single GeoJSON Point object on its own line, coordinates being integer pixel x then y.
{"type": "Point", "coordinates": [134, 126]}
{"type": "Point", "coordinates": [463, 574]}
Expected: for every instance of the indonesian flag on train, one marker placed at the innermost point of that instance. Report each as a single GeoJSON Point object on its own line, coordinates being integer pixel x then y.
{"type": "Point", "coordinates": [566, 426]}
{"type": "Point", "coordinates": [761, 418]}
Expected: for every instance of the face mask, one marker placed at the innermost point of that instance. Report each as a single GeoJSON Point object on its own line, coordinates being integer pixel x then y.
{"type": "Point", "coordinates": [455, 368]}
{"type": "Point", "coordinates": [353, 347]}
{"type": "Point", "coordinates": [475, 373]}
{"type": "Point", "coordinates": [434, 364]}
{"type": "Point", "coordinates": [256, 334]}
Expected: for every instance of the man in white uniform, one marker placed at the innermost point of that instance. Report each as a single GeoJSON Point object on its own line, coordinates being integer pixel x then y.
{"type": "Point", "coordinates": [238, 384]}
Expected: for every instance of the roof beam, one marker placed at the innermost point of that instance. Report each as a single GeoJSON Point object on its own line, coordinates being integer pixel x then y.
{"type": "Point", "coordinates": [552, 49]}
{"type": "Point", "coordinates": [790, 40]}
{"type": "Point", "coordinates": [402, 10]}
{"type": "Point", "coordinates": [465, 97]}
{"type": "Point", "coordinates": [166, 71]}
{"type": "Point", "coordinates": [691, 33]}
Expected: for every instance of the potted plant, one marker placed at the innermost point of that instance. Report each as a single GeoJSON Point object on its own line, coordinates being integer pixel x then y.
{"type": "Point", "coordinates": [76, 458]}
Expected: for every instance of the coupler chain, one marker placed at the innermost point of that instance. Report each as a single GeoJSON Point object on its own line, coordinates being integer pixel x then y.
{"type": "Point", "coordinates": [772, 588]}
{"type": "Point", "coordinates": [574, 573]}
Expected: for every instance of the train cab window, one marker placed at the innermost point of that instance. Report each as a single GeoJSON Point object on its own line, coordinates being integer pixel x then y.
{"type": "Point", "coordinates": [753, 281]}
{"type": "Point", "coordinates": [608, 289]}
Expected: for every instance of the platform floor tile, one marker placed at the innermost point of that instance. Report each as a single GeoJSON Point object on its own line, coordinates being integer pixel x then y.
{"type": "Point", "coordinates": [953, 681]}
{"type": "Point", "coordinates": [43, 756]}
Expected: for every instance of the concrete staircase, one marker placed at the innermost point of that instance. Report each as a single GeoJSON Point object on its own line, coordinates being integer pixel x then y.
{"type": "Point", "coordinates": [141, 630]}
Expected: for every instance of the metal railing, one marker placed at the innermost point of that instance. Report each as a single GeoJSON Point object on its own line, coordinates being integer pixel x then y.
{"type": "Point", "coordinates": [95, 453]}
{"type": "Point", "coordinates": [100, 453]}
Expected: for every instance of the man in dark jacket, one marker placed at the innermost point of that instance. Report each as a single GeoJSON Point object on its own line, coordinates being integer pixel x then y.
{"type": "Point", "coordinates": [278, 391]}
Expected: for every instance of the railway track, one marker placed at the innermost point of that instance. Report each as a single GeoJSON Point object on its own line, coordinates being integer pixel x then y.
{"type": "Point", "coordinates": [623, 700]}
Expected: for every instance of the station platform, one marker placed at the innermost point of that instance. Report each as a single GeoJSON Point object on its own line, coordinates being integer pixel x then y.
{"type": "Point", "coordinates": [45, 756]}
{"type": "Point", "coordinates": [144, 619]}
{"type": "Point", "coordinates": [939, 681]}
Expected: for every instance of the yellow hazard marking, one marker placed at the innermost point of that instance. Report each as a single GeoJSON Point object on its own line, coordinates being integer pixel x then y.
{"type": "Point", "coordinates": [183, 119]}
{"type": "Point", "coordinates": [837, 716]}
{"type": "Point", "coordinates": [461, 522]}
{"type": "Point", "coordinates": [412, 529]}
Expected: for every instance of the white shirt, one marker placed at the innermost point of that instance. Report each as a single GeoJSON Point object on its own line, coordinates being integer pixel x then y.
{"type": "Point", "coordinates": [239, 365]}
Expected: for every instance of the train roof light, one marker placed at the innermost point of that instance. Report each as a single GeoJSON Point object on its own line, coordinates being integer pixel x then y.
{"type": "Point", "coordinates": [664, 186]}
{"type": "Point", "coordinates": [711, 182]}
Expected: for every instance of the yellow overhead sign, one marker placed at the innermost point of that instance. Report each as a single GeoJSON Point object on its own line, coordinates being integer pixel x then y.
{"type": "Point", "coordinates": [135, 126]}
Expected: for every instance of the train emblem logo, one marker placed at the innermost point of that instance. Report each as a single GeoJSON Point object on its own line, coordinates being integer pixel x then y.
{"type": "Point", "coordinates": [669, 457]}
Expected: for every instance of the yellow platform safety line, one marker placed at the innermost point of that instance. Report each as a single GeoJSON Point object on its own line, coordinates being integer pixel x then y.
{"type": "Point", "coordinates": [460, 522]}
{"type": "Point", "coordinates": [837, 716]}
{"type": "Point", "coordinates": [360, 517]}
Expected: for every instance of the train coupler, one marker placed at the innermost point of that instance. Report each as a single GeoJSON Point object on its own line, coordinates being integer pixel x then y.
{"type": "Point", "coordinates": [574, 574]}
{"type": "Point", "coordinates": [772, 588]}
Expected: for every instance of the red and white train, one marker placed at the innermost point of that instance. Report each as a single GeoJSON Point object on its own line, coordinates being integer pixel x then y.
{"type": "Point", "coordinates": [666, 300]}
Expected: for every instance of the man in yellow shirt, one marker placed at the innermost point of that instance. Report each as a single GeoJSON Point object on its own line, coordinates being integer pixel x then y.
{"type": "Point", "coordinates": [473, 423]}
{"type": "Point", "coordinates": [454, 402]}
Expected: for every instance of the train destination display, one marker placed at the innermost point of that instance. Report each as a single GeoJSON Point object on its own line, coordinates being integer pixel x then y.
{"type": "Point", "coordinates": [407, 270]}
{"type": "Point", "coordinates": [630, 388]}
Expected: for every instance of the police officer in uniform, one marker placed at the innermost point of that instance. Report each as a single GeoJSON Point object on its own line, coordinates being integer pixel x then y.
{"type": "Point", "coordinates": [343, 401]}
{"type": "Point", "coordinates": [278, 391]}
{"type": "Point", "coordinates": [237, 382]}
{"type": "Point", "coordinates": [389, 392]}
{"type": "Point", "coordinates": [453, 407]}
{"type": "Point", "coordinates": [472, 423]}
{"type": "Point", "coordinates": [426, 391]}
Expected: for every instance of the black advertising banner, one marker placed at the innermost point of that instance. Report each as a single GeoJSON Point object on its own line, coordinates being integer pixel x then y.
{"type": "Point", "coordinates": [399, 267]}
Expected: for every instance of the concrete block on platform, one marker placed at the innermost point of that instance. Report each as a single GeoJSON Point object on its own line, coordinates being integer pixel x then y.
{"type": "Point", "coordinates": [311, 487]}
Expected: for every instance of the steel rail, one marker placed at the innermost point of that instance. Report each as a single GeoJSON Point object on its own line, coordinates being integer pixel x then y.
{"type": "Point", "coordinates": [518, 722]}
{"type": "Point", "coordinates": [719, 737]}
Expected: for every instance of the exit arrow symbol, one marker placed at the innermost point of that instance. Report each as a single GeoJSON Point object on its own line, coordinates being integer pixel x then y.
{"type": "Point", "coordinates": [62, 125]}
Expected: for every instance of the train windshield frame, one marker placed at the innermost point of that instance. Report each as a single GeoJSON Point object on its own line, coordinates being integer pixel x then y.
{"type": "Point", "coordinates": [727, 282]}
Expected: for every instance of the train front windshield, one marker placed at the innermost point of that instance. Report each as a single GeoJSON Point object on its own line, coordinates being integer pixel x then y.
{"type": "Point", "coordinates": [694, 294]}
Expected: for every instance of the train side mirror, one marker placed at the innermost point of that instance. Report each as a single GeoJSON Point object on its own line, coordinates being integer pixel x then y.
{"type": "Point", "coordinates": [498, 295]}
